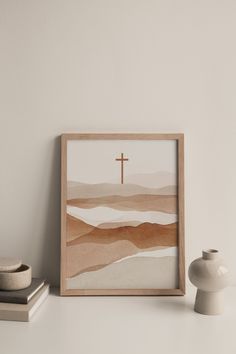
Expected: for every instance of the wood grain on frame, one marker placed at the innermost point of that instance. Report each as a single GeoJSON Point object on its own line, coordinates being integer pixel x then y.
{"type": "Point", "coordinates": [124, 136]}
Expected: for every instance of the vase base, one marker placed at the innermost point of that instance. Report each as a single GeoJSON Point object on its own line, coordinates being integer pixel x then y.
{"type": "Point", "coordinates": [209, 303]}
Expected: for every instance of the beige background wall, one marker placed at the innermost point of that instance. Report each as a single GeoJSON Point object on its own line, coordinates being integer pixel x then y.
{"type": "Point", "coordinates": [115, 66]}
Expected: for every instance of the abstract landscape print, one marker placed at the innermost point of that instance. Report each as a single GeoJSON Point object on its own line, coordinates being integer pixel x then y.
{"type": "Point", "coordinates": [121, 214]}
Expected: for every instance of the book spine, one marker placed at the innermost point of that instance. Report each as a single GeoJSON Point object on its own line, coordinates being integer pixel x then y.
{"type": "Point", "coordinates": [14, 316]}
{"type": "Point", "coordinates": [15, 300]}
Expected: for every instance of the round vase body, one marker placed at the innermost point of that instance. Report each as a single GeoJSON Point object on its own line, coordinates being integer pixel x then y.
{"type": "Point", "coordinates": [210, 275]}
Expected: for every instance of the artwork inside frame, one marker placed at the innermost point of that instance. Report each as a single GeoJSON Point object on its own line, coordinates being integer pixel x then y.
{"type": "Point", "coordinates": [122, 214]}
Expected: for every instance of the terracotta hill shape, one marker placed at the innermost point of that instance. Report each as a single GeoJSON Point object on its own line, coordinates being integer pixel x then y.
{"type": "Point", "coordinates": [76, 228]}
{"type": "Point", "coordinates": [143, 236]}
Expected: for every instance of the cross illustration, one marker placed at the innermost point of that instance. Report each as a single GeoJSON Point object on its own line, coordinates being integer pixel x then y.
{"type": "Point", "coordinates": [122, 159]}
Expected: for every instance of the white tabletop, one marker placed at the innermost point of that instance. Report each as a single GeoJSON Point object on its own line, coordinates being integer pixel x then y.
{"type": "Point", "coordinates": [122, 325]}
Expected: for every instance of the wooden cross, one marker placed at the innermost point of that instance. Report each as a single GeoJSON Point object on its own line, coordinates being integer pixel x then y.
{"type": "Point", "coordinates": [122, 159]}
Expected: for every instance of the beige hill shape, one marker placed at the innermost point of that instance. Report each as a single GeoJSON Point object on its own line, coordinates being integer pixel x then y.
{"type": "Point", "coordinates": [152, 180]}
{"type": "Point", "coordinates": [114, 225]}
{"type": "Point", "coordinates": [91, 256]}
{"type": "Point", "coordinates": [135, 273]}
{"type": "Point", "coordinates": [158, 179]}
{"type": "Point", "coordinates": [82, 190]}
{"type": "Point", "coordinates": [162, 203]}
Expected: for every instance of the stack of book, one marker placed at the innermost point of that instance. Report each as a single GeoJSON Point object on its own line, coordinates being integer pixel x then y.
{"type": "Point", "coordinates": [20, 305]}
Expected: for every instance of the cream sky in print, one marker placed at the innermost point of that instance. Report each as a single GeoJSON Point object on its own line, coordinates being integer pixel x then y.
{"type": "Point", "coordinates": [121, 225]}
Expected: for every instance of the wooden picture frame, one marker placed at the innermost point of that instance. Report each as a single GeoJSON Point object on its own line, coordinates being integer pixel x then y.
{"type": "Point", "coordinates": [76, 152]}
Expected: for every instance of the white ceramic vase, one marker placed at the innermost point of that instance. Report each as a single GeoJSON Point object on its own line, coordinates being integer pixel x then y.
{"type": "Point", "coordinates": [210, 275]}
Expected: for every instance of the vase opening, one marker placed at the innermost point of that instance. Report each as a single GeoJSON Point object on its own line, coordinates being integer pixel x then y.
{"type": "Point", "coordinates": [210, 253]}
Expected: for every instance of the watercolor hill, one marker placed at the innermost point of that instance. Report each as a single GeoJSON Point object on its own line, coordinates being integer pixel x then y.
{"type": "Point", "coordinates": [117, 233]}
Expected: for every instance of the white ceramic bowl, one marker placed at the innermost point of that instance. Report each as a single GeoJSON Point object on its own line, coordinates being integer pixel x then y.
{"type": "Point", "coordinates": [19, 279]}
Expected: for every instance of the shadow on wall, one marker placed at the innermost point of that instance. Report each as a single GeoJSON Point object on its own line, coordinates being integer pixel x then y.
{"type": "Point", "coordinates": [50, 262]}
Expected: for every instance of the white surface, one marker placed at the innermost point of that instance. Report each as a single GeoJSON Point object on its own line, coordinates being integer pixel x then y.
{"type": "Point", "coordinates": [98, 215]}
{"type": "Point", "coordinates": [115, 66]}
{"type": "Point", "coordinates": [161, 252]}
{"type": "Point", "coordinates": [122, 325]}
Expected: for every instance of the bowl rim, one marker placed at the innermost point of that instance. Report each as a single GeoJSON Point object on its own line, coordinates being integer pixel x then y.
{"type": "Point", "coordinates": [25, 269]}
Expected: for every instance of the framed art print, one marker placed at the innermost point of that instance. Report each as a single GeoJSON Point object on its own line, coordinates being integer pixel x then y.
{"type": "Point", "coordinates": [122, 214]}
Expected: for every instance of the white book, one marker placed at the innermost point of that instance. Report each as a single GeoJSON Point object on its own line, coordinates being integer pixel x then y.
{"type": "Point", "coordinates": [23, 312]}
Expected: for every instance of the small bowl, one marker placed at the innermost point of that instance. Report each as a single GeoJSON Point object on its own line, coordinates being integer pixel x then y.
{"type": "Point", "coordinates": [19, 279]}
